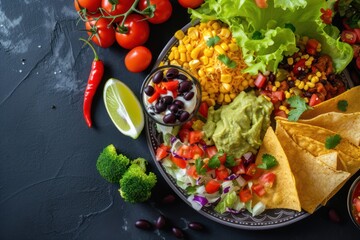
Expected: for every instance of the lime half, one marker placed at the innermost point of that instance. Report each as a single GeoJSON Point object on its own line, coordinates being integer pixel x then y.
{"type": "Point", "coordinates": [123, 108]}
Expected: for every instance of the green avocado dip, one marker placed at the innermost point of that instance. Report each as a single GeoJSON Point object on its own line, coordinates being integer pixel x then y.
{"type": "Point", "coordinates": [239, 127]}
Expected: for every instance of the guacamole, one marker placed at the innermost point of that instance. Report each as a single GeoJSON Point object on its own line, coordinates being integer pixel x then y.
{"type": "Point", "coordinates": [239, 127]}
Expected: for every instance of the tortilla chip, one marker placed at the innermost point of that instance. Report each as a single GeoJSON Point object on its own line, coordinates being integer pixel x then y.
{"type": "Point", "coordinates": [320, 134]}
{"type": "Point", "coordinates": [352, 96]}
{"type": "Point", "coordinates": [315, 181]}
{"type": "Point", "coordinates": [341, 123]}
{"type": "Point", "coordinates": [283, 193]}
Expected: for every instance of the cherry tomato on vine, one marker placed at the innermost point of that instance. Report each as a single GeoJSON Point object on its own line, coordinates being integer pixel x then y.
{"type": "Point", "coordinates": [138, 59]}
{"type": "Point", "coordinates": [116, 7]}
{"type": "Point", "coordinates": [137, 34]}
{"type": "Point", "coordinates": [191, 3]}
{"type": "Point", "coordinates": [100, 32]}
{"type": "Point", "coordinates": [162, 12]}
{"type": "Point", "coordinates": [90, 5]}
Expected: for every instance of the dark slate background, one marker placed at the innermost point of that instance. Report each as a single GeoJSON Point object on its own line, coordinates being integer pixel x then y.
{"type": "Point", "coordinates": [49, 186]}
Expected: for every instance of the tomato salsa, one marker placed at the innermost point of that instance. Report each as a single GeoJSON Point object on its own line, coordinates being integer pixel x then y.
{"type": "Point", "coordinates": [355, 203]}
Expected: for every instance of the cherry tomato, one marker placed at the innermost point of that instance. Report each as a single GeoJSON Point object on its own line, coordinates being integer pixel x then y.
{"type": "Point", "coordinates": [203, 109]}
{"type": "Point", "coordinates": [267, 179]}
{"type": "Point", "coordinates": [191, 3]}
{"type": "Point", "coordinates": [162, 151]}
{"type": "Point", "coordinates": [195, 136]}
{"type": "Point", "coordinates": [101, 32]}
{"type": "Point", "coordinates": [90, 5]}
{"type": "Point", "coordinates": [261, 3]}
{"type": "Point", "coordinates": [212, 186]}
{"type": "Point", "coordinates": [120, 7]}
{"type": "Point", "coordinates": [162, 12]}
{"type": "Point", "coordinates": [137, 34]}
{"type": "Point", "coordinates": [181, 163]}
{"type": "Point", "coordinates": [348, 36]}
{"type": "Point", "coordinates": [138, 59]}
{"type": "Point", "coordinates": [245, 195]}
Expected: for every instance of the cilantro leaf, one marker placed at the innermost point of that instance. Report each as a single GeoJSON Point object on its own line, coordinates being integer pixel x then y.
{"type": "Point", "coordinates": [190, 190]}
{"type": "Point", "coordinates": [227, 61]}
{"type": "Point", "coordinates": [230, 161]}
{"type": "Point", "coordinates": [212, 41]}
{"type": "Point", "coordinates": [214, 162]}
{"type": "Point", "coordinates": [298, 106]}
{"type": "Point", "coordinates": [342, 105]}
{"type": "Point", "coordinates": [199, 165]}
{"type": "Point", "coordinates": [332, 141]}
{"type": "Point", "coordinates": [268, 161]}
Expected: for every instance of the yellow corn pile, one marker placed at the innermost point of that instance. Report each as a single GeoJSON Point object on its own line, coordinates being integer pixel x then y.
{"type": "Point", "coordinates": [220, 83]}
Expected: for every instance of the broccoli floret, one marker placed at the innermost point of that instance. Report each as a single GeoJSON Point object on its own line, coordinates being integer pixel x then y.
{"type": "Point", "coordinates": [136, 185]}
{"type": "Point", "coordinates": [110, 165]}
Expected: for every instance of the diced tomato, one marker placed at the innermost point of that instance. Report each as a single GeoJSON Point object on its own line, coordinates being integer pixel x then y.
{"type": "Point", "coordinates": [184, 135]}
{"type": "Point", "coordinates": [162, 152]}
{"type": "Point", "coordinates": [212, 186]}
{"type": "Point", "coordinates": [185, 152]}
{"type": "Point", "coordinates": [203, 109]}
{"type": "Point", "coordinates": [187, 125]}
{"type": "Point", "coordinates": [191, 171]}
{"type": "Point", "coordinates": [357, 32]}
{"type": "Point", "coordinates": [279, 95]}
{"type": "Point", "coordinates": [195, 136]}
{"type": "Point", "coordinates": [160, 89]}
{"type": "Point", "coordinates": [239, 169]}
{"type": "Point", "coordinates": [299, 66]}
{"type": "Point", "coordinates": [245, 195]}
{"type": "Point", "coordinates": [154, 97]}
{"type": "Point", "coordinates": [267, 179]}
{"type": "Point", "coordinates": [280, 113]}
{"type": "Point", "coordinates": [171, 85]}
{"type": "Point", "coordinates": [211, 151]}
{"type": "Point", "coordinates": [175, 93]}
{"type": "Point", "coordinates": [253, 172]}
{"type": "Point", "coordinates": [356, 202]}
{"type": "Point", "coordinates": [222, 158]}
{"type": "Point", "coordinates": [311, 46]}
{"type": "Point", "coordinates": [358, 62]}
{"type": "Point", "coordinates": [348, 36]}
{"type": "Point", "coordinates": [356, 48]}
{"type": "Point", "coordinates": [326, 16]}
{"type": "Point", "coordinates": [314, 100]}
{"type": "Point", "coordinates": [260, 81]}
{"type": "Point", "coordinates": [181, 163]}
{"type": "Point", "coordinates": [258, 189]}
{"type": "Point", "coordinates": [196, 151]}
{"type": "Point", "coordinates": [221, 172]}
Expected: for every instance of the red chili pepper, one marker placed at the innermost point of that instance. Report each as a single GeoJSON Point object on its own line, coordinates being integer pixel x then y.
{"type": "Point", "coordinates": [96, 74]}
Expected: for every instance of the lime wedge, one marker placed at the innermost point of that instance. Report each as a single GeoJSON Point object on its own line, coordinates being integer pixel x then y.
{"type": "Point", "coordinates": [123, 108]}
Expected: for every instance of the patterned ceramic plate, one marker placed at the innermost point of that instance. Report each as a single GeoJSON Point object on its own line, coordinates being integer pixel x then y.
{"type": "Point", "coordinates": [272, 218]}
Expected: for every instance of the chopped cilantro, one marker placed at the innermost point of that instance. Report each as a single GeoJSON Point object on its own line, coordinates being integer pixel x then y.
{"type": "Point", "coordinates": [290, 26]}
{"type": "Point", "coordinates": [227, 61]}
{"type": "Point", "coordinates": [230, 161]}
{"type": "Point", "coordinates": [268, 161]}
{"type": "Point", "coordinates": [212, 41]}
{"type": "Point", "coordinates": [190, 190]}
{"type": "Point", "coordinates": [214, 162]}
{"type": "Point", "coordinates": [342, 105]}
{"type": "Point", "coordinates": [257, 35]}
{"type": "Point", "coordinates": [332, 141]}
{"type": "Point", "coordinates": [199, 165]}
{"type": "Point", "coordinates": [298, 106]}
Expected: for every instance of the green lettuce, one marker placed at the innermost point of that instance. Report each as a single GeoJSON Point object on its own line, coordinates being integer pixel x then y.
{"type": "Point", "coordinates": [244, 18]}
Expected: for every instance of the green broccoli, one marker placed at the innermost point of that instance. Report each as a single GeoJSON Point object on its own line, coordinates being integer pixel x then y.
{"type": "Point", "coordinates": [110, 165]}
{"type": "Point", "coordinates": [136, 185]}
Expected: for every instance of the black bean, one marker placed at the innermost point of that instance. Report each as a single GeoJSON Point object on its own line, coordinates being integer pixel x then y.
{"type": "Point", "coordinates": [160, 106]}
{"type": "Point", "coordinates": [160, 222]}
{"type": "Point", "coordinates": [143, 224]}
{"type": "Point", "coordinates": [170, 198]}
{"type": "Point", "coordinates": [196, 226]}
{"type": "Point", "coordinates": [184, 115]}
{"type": "Point", "coordinates": [149, 90]}
{"type": "Point", "coordinates": [307, 94]}
{"type": "Point", "coordinates": [179, 103]}
{"type": "Point", "coordinates": [185, 86]}
{"type": "Point", "coordinates": [272, 77]}
{"type": "Point", "coordinates": [167, 99]}
{"type": "Point", "coordinates": [169, 118]}
{"type": "Point", "coordinates": [173, 108]}
{"type": "Point", "coordinates": [189, 95]}
{"type": "Point", "coordinates": [172, 73]}
{"type": "Point", "coordinates": [158, 77]}
{"type": "Point", "coordinates": [334, 216]}
{"type": "Point", "coordinates": [177, 232]}
{"type": "Point", "coordinates": [182, 77]}
{"type": "Point", "coordinates": [291, 83]}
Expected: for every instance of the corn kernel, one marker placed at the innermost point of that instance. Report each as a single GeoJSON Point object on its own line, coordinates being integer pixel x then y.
{"type": "Point", "coordinates": [195, 53]}
{"type": "Point", "coordinates": [220, 98]}
{"type": "Point", "coordinates": [210, 102]}
{"type": "Point", "coordinates": [193, 33]}
{"type": "Point", "coordinates": [301, 85]}
{"type": "Point", "coordinates": [306, 56]}
{"type": "Point", "coordinates": [318, 74]}
{"type": "Point", "coordinates": [315, 79]}
{"type": "Point", "coordinates": [215, 26]}
{"type": "Point", "coordinates": [182, 48]}
{"type": "Point", "coordinates": [207, 35]}
{"type": "Point", "coordinates": [182, 56]}
{"type": "Point", "coordinates": [290, 61]}
{"type": "Point", "coordinates": [219, 49]}
{"type": "Point", "coordinates": [287, 94]}
{"type": "Point", "coordinates": [274, 88]}
{"type": "Point", "coordinates": [224, 33]}
{"type": "Point", "coordinates": [179, 34]}
{"type": "Point", "coordinates": [310, 84]}
{"type": "Point", "coordinates": [233, 47]}
{"type": "Point", "coordinates": [204, 60]}
{"type": "Point", "coordinates": [287, 111]}
{"type": "Point", "coordinates": [267, 98]}
{"type": "Point", "coordinates": [185, 65]}
{"type": "Point", "coordinates": [297, 82]}
{"type": "Point", "coordinates": [204, 98]}
{"type": "Point", "coordinates": [245, 83]}
{"type": "Point", "coordinates": [291, 90]}
{"type": "Point", "coordinates": [194, 63]}
{"type": "Point", "coordinates": [171, 56]}
{"type": "Point", "coordinates": [201, 73]}
{"type": "Point", "coordinates": [188, 47]}
{"type": "Point", "coordinates": [306, 99]}
{"type": "Point", "coordinates": [226, 86]}
{"type": "Point", "coordinates": [227, 98]}
{"type": "Point", "coordinates": [233, 95]}
{"type": "Point", "coordinates": [306, 87]}
{"type": "Point", "coordinates": [225, 78]}
{"type": "Point", "coordinates": [210, 70]}
{"type": "Point", "coordinates": [174, 62]}
{"type": "Point", "coordinates": [277, 84]}
{"type": "Point", "coordinates": [283, 108]}
{"type": "Point", "coordinates": [224, 46]}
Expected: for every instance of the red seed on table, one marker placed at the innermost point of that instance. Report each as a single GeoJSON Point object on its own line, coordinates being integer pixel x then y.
{"type": "Point", "coordinates": [143, 224]}
{"type": "Point", "coordinates": [177, 232]}
{"type": "Point", "coordinates": [168, 199]}
{"type": "Point", "coordinates": [334, 216]}
{"type": "Point", "coordinates": [160, 222]}
{"type": "Point", "coordinates": [196, 226]}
